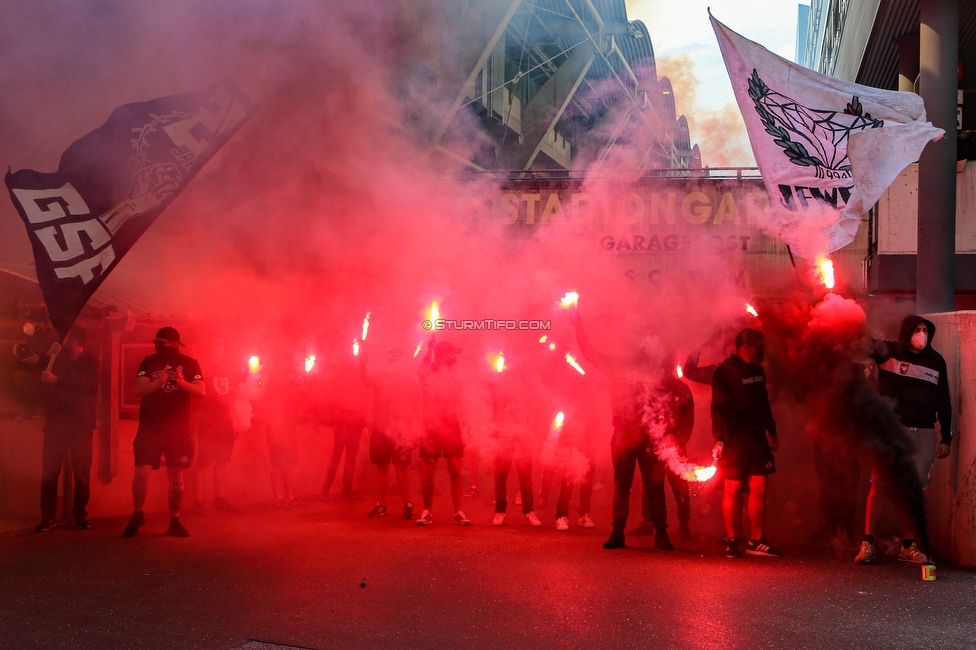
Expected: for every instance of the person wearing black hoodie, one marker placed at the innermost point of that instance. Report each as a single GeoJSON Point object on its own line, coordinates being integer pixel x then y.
{"type": "Point", "coordinates": [913, 374]}
{"type": "Point", "coordinates": [633, 381]}
{"type": "Point", "coordinates": [741, 419]}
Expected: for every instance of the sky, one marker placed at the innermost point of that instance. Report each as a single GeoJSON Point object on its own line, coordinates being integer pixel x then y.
{"type": "Point", "coordinates": [686, 51]}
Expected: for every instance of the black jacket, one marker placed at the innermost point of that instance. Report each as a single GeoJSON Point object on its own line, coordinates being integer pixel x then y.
{"type": "Point", "coordinates": [72, 400]}
{"type": "Point", "coordinates": [739, 399]}
{"type": "Point", "coordinates": [916, 381]}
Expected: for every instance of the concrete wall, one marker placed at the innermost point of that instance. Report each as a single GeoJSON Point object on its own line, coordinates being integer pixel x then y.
{"type": "Point", "coordinates": [898, 213]}
{"type": "Point", "coordinates": [952, 507]}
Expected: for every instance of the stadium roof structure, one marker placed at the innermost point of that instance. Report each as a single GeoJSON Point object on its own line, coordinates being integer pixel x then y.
{"type": "Point", "coordinates": [556, 84]}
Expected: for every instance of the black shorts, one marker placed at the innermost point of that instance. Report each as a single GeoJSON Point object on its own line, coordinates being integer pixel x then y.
{"type": "Point", "coordinates": [383, 451]}
{"type": "Point", "coordinates": [746, 453]}
{"type": "Point", "coordinates": [177, 447]}
{"type": "Point", "coordinates": [442, 440]}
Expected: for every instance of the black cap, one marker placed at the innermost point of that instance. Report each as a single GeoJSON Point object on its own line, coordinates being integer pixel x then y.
{"type": "Point", "coordinates": [168, 335]}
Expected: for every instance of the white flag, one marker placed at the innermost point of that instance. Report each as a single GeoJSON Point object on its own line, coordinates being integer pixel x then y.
{"type": "Point", "coordinates": [826, 148]}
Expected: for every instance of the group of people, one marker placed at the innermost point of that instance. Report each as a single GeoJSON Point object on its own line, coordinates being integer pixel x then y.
{"type": "Point", "coordinates": [421, 409]}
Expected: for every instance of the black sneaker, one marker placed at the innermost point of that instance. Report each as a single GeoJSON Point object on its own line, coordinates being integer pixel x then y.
{"type": "Point", "coordinates": [684, 533]}
{"type": "Point", "coordinates": [221, 504]}
{"type": "Point", "coordinates": [176, 528]}
{"type": "Point", "coordinates": [408, 512]}
{"type": "Point", "coordinates": [43, 527]}
{"type": "Point", "coordinates": [81, 523]}
{"type": "Point", "coordinates": [616, 539]}
{"type": "Point", "coordinates": [662, 541]}
{"type": "Point", "coordinates": [351, 496]}
{"type": "Point", "coordinates": [732, 548]}
{"type": "Point", "coordinates": [643, 529]}
{"type": "Point", "coordinates": [138, 520]}
{"type": "Point", "coordinates": [471, 491]}
{"type": "Point", "coordinates": [379, 510]}
{"type": "Point", "coordinates": [761, 547]}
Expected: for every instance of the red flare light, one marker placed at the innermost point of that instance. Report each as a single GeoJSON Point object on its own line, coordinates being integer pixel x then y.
{"type": "Point", "coordinates": [557, 422]}
{"type": "Point", "coordinates": [571, 360]}
{"type": "Point", "coordinates": [700, 473]}
{"type": "Point", "coordinates": [825, 271]}
{"type": "Point", "coordinates": [435, 313]}
{"type": "Point", "coordinates": [704, 473]}
{"type": "Point", "coordinates": [752, 310]}
{"type": "Point", "coordinates": [571, 299]}
{"type": "Point", "coordinates": [355, 347]}
{"type": "Point", "coordinates": [552, 346]}
{"type": "Point", "coordinates": [545, 337]}
{"type": "Point", "coordinates": [309, 362]}
{"type": "Point", "coordinates": [366, 325]}
{"type": "Point", "coordinates": [678, 371]}
{"type": "Point", "coordinates": [499, 362]}
{"type": "Point", "coordinates": [254, 363]}
{"type": "Point", "coordinates": [420, 346]}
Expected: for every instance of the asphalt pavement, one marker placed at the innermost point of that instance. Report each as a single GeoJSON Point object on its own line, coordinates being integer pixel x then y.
{"type": "Point", "coordinates": [325, 576]}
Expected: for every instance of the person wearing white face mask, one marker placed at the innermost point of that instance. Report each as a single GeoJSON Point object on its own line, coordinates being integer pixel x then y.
{"type": "Point", "coordinates": [27, 378]}
{"type": "Point", "coordinates": [912, 373]}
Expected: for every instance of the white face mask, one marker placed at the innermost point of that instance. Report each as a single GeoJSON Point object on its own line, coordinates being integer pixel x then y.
{"type": "Point", "coordinates": [919, 339]}
{"type": "Point", "coordinates": [28, 329]}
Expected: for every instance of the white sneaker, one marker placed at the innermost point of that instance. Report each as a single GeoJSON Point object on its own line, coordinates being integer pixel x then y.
{"type": "Point", "coordinates": [562, 523]}
{"type": "Point", "coordinates": [912, 554]}
{"type": "Point", "coordinates": [586, 522]}
{"type": "Point", "coordinates": [460, 519]}
{"type": "Point", "coordinates": [533, 519]}
{"type": "Point", "coordinates": [498, 519]}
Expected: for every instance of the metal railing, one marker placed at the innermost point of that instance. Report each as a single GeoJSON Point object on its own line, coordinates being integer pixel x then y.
{"type": "Point", "coordinates": [711, 173]}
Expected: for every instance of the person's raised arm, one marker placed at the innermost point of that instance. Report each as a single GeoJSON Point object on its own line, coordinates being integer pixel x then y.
{"type": "Point", "coordinates": [605, 363]}
{"type": "Point", "coordinates": [363, 372]}
{"type": "Point", "coordinates": [695, 372]}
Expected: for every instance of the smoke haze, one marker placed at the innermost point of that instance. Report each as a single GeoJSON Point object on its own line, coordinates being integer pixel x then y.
{"type": "Point", "coordinates": [323, 207]}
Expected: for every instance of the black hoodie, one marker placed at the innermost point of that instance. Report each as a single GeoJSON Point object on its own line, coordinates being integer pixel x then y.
{"type": "Point", "coordinates": [916, 381]}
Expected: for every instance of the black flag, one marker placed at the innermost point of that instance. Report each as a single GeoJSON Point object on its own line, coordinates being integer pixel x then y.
{"type": "Point", "coordinates": [113, 183]}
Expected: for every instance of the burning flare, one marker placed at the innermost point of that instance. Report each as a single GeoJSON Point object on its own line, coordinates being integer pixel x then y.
{"type": "Point", "coordinates": [545, 337]}
{"type": "Point", "coordinates": [366, 325]}
{"type": "Point", "coordinates": [435, 313]}
{"type": "Point", "coordinates": [557, 422]}
{"type": "Point", "coordinates": [825, 271]}
{"type": "Point", "coordinates": [678, 371]}
{"type": "Point", "coordinates": [571, 360]}
{"type": "Point", "coordinates": [499, 362]}
{"type": "Point", "coordinates": [355, 347]}
{"type": "Point", "coordinates": [702, 474]}
{"type": "Point", "coordinates": [752, 310]}
{"type": "Point", "coordinates": [254, 363]}
{"type": "Point", "coordinates": [420, 346]}
{"type": "Point", "coordinates": [571, 299]}
{"type": "Point", "coordinates": [309, 362]}
{"type": "Point", "coordinates": [552, 346]}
